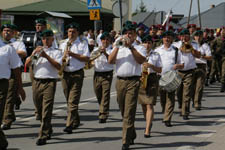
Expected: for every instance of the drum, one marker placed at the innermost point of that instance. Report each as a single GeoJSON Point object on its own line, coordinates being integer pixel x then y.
{"type": "Point", "coordinates": [170, 81]}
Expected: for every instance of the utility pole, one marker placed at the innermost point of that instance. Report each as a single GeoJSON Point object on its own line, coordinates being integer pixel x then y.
{"type": "Point", "coordinates": [189, 13]}
{"type": "Point", "coordinates": [199, 15]}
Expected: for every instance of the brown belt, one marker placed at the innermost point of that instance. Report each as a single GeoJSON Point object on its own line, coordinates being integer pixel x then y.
{"type": "Point", "coordinates": [186, 71]}
{"type": "Point", "coordinates": [44, 80]}
{"type": "Point", "coordinates": [129, 78]}
{"type": "Point", "coordinates": [74, 72]}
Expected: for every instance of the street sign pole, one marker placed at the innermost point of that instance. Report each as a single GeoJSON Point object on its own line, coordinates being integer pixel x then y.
{"type": "Point", "coordinates": [121, 17]}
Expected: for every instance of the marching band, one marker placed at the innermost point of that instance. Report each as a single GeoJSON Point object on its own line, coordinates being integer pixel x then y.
{"type": "Point", "coordinates": [147, 64]}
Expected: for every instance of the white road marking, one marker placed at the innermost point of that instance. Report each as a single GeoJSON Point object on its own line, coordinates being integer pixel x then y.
{"type": "Point", "coordinates": [58, 108]}
{"type": "Point", "coordinates": [186, 148]}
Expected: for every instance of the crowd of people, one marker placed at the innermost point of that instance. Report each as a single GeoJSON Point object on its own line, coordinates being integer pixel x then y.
{"type": "Point", "coordinates": [140, 58]}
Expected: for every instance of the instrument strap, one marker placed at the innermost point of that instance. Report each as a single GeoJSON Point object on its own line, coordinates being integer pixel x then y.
{"type": "Point", "coordinates": [176, 54]}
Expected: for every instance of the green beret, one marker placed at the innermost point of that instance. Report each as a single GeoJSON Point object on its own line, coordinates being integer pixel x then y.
{"type": "Point", "coordinates": [168, 33]}
{"type": "Point", "coordinates": [14, 27]}
{"type": "Point", "coordinates": [198, 33]}
{"type": "Point", "coordinates": [6, 26]}
{"type": "Point", "coordinates": [127, 23]}
{"type": "Point", "coordinates": [104, 35]}
{"type": "Point", "coordinates": [147, 38]}
{"type": "Point", "coordinates": [40, 21]}
{"type": "Point", "coordinates": [128, 27]}
{"type": "Point", "coordinates": [73, 25]}
{"type": "Point", "coordinates": [185, 32]}
{"type": "Point", "coordinates": [47, 33]}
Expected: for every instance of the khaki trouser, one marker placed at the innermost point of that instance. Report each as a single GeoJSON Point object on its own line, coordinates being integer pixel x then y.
{"type": "Point", "coordinates": [102, 85]}
{"type": "Point", "coordinates": [3, 94]}
{"type": "Point", "coordinates": [43, 94]}
{"type": "Point", "coordinates": [215, 68]}
{"type": "Point", "coordinates": [167, 103]}
{"type": "Point", "coordinates": [72, 84]}
{"type": "Point", "coordinates": [9, 114]}
{"type": "Point", "coordinates": [127, 95]}
{"type": "Point", "coordinates": [223, 71]}
{"type": "Point", "coordinates": [198, 84]}
{"type": "Point", "coordinates": [185, 91]}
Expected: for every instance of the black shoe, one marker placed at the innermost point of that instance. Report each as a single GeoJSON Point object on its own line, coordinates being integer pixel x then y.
{"type": "Point", "coordinates": [68, 130]}
{"type": "Point", "coordinates": [41, 142]}
{"type": "Point", "coordinates": [38, 117]}
{"type": "Point", "coordinates": [4, 146]}
{"type": "Point", "coordinates": [125, 147]}
{"type": "Point", "coordinates": [102, 120]}
{"type": "Point", "coordinates": [17, 103]}
{"type": "Point", "coordinates": [198, 108]}
{"type": "Point", "coordinates": [168, 124]}
{"type": "Point", "coordinates": [212, 81]}
{"type": "Point", "coordinates": [6, 127]}
{"type": "Point", "coordinates": [147, 135]}
{"type": "Point", "coordinates": [185, 117]}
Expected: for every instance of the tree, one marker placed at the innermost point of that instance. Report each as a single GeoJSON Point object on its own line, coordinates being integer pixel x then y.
{"type": "Point", "coordinates": [142, 8]}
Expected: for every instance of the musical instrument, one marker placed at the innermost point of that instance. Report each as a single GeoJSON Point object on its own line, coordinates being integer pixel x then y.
{"type": "Point", "coordinates": [170, 81]}
{"type": "Point", "coordinates": [94, 55]}
{"type": "Point", "coordinates": [186, 47]}
{"type": "Point", "coordinates": [144, 77]}
{"type": "Point", "coordinates": [65, 58]}
{"type": "Point", "coordinates": [36, 56]}
{"type": "Point", "coordinates": [122, 41]}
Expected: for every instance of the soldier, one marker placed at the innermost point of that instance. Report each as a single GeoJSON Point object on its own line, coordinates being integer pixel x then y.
{"type": "Point", "coordinates": [200, 72]}
{"type": "Point", "coordinates": [168, 56]}
{"type": "Point", "coordinates": [192, 28]}
{"type": "Point", "coordinates": [44, 84]}
{"type": "Point", "coordinates": [128, 59]}
{"type": "Point", "coordinates": [218, 47]}
{"type": "Point", "coordinates": [153, 33]}
{"type": "Point", "coordinates": [10, 63]}
{"type": "Point", "coordinates": [103, 77]}
{"type": "Point", "coordinates": [185, 91]}
{"type": "Point", "coordinates": [73, 74]}
{"type": "Point", "coordinates": [147, 95]}
{"type": "Point", "coordinates": [12, 97]}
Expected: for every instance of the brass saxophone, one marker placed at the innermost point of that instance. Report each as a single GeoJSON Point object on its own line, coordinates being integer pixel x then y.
{"type": "Point", "coordinates": [186, 47]}
{"type": "Point", "coordinates": [65, 58]}
{"type": "Point", "coordinates": [94, 55]}
{"type": "Point", "coordinates": [144, 77]}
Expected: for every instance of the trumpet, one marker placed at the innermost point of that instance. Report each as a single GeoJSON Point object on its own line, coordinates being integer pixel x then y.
{"type": "Point", "coordinates": [94, 55]}
{"type": "Point", "coordinates": [122, 42]}
{"type": "Point", "coordinates": [36, 56]}
{"type": "Point", "coordinates": [65, 58]}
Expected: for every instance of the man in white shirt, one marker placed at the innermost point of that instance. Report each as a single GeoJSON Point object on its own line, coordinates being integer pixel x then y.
{"type": "Point", "coordinates": [10, 63]}
{"type": "Point", "coordinates": [185, 91]}
{"type": "Point", "coordinates": [128, 58]}
{"type": "Point", "coordinates": [103, 77]}
{"type": "Point", "coordinates": [73, 74]}
{"type": "Point", "coordinates": [168, 56]}
{"type": "Point", "coordinates": [44, 84]}
{"type": "Point", "coordinates": [200, 72]}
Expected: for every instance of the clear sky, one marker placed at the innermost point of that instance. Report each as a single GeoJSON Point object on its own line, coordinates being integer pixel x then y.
{"type": "Point", "coordinates": [178, 6]}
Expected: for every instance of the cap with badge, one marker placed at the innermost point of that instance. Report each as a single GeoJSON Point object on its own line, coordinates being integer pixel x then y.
{"type": "Point", "coordinates": [104, 35]}
{"type": "Point", "coordinates": [191, 26]}
{"type": "Point", "coordinates": [47, 33]}
{"type": "Point", "coordinates": [6, 26]}
{"type": "Point", "coordinates": [128, 28]}
{"type": "Point", "coordinates": [168, 33]}
{"type": "Point", "coordinates": [147, 38]}
{"type": "Point", "coordinates": [40, 21]}
{"type": "Point", "coordinates": [198, 33]}
{"type": "Point", "coordinates": [73, 25]}
{"type": "Point", "coordinates": [185, 32]}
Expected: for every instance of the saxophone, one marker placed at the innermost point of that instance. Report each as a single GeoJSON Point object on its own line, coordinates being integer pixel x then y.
{"type": "Point", "coordinates": [186, 47]}
{"type": "Point", "coordinates": [65, 58]}
{"type": "Point", "coordinates": [144, 77]}
{"type": "Point", "coordinates": [94, 55]}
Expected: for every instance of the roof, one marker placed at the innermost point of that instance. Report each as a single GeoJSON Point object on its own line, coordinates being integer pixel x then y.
{"type": "Point", "coordinates": [71, 7]}
{"type": "Point", "coordinates": [54, 14]}
{"type": "Point", "coordinates": [5, 4]}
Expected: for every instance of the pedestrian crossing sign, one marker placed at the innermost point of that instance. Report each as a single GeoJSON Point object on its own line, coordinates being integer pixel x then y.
{"type": "Point", "coordinates": [94, 14]}
{"type": "Point", "coordinates": [94, 4]}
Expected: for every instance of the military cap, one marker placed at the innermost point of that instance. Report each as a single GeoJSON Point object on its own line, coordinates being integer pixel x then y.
{"type": "Point", "coordinates": [191, 26]}
{"type": "Point", "coordinates": [170, 28]}
{"type": "Point", "coordinates": [184, 32]}
{"type": "Point", "coordinates": [147, 38]}
{"type": "Point", "coordinates": [40, 21]}
{"type": "Point", "coordinates": [6, 26]}
{"type": "Point", "coordinates": [14, 27]}
{"type": "Point", "coordinates": [206, 30]}
{"type": "Point", "coordinates": [104, 35]}
{"type": "Point", "coordinates": [198, 33]}
{"type": "Point", "coordinates": [128, 28]}
{"type": "Point", "coordinates": [73, 25]}
{"type": "Point", "coordinates": [160, 27]}
{"type": "Point", "coordinates": [127, 23]}
{"type": "Point", "coordinates": [47, 33]}
{"type": "Point", "coordinates": [168, 33]}
{"type": "Point", "coordinates": [153, 27]}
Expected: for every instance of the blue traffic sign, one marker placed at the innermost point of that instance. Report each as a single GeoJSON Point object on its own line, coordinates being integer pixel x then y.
{"type": "Point", "coordinates": [94, 4]}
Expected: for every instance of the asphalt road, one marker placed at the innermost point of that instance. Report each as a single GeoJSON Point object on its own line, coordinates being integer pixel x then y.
{"type": "Point", "coordinates": [184, 135]}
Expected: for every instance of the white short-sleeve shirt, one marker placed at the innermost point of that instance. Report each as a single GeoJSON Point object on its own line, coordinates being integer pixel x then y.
{"type": "Point", "coordinates": [204, 49]}
{"type": "Point", "coordinates": [126, 65]}
{"type": "Point", "coordinates": [9, 59]}
{"type": "Point", "coordinates": [101, 63]}
{"type": "Point", "coordinates": [44, 69]}
{"type": "Point", "coordinates": [154, 59]}
{"type": "Point", "coordinates": [78, 47]}
{"type": "Point", "coordinates": [168, 58]}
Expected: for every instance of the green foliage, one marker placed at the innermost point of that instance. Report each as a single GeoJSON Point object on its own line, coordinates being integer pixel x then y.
{"type": "Point", "coordinates": [142, 8]}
